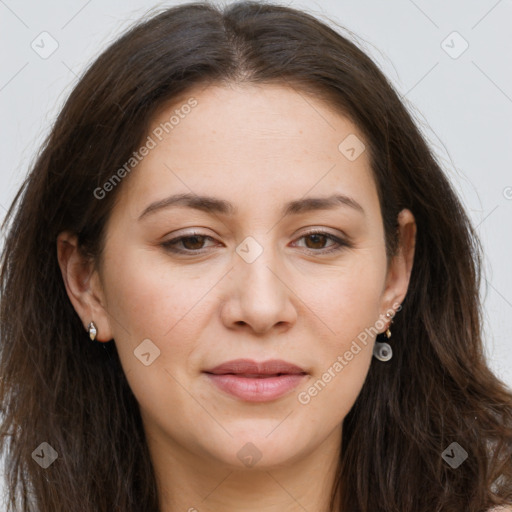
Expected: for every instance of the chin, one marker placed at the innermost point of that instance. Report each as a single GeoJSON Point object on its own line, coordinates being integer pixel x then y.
{"type": "Point", "coordinates": [259, 450]}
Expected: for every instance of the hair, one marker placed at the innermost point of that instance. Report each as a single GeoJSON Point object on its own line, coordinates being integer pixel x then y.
{"type": "Point", "coordinates": [59, 387]}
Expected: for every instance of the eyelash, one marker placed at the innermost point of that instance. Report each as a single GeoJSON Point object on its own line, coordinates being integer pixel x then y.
{"type": "Point", "coordinates": [339, 243]}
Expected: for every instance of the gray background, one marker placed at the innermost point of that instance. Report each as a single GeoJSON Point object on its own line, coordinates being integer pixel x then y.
{"type": "Point", "coordinates": [462, 100]}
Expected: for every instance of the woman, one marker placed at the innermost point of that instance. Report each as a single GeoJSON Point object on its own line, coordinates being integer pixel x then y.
{"type": "Point", "coordinates": [237, 278]}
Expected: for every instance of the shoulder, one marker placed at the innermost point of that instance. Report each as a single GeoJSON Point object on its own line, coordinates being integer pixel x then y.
{"type": "Point", "coordinates": [501, 509]}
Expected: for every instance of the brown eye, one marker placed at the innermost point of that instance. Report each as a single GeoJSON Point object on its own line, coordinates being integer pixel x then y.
{"type": "Point", "coordinates": [315, 242]}
{"type": "Point", "coordinates": [193, 243]}
{"type": "Point", "coordinates": [190, 244]}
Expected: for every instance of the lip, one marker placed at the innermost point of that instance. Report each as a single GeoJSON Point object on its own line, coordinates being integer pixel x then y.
{"type": "Point", "coordinates": [250, 367]}
{"type": "Point", "coordinates": [256, 382]}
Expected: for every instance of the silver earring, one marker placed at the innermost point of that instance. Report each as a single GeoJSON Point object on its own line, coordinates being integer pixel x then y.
{"type": "Point", "coordinates": [383, 351]}
{"type": "Point", "coordinates": [93, 330]}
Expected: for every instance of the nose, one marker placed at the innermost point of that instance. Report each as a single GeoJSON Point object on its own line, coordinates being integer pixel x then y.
{"type": "Point", "coordinates": [259, 298]}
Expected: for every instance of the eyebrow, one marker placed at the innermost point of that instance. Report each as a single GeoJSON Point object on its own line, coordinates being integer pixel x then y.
{"type": "Point", "coordinates": [211, 204]}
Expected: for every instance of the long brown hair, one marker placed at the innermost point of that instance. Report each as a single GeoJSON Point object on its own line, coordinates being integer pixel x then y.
{"type": "Point", "coordinates": [60, 388]}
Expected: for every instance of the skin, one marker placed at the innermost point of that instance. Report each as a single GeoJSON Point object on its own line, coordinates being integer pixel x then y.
{"type": "Point", "coordinates": [257, 147]}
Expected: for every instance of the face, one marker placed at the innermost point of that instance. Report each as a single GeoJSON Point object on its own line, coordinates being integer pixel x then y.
{"type": "Point", "coordinates": [259, 272]}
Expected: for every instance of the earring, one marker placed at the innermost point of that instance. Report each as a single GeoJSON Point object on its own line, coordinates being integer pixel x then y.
{"type": "Point", "coordinates": [383, 351]}
{"type": "Point", "coordinates": [93, 330]}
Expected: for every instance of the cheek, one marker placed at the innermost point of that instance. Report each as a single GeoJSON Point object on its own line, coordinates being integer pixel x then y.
{"type": "Point", "coordinates": [149, 296]}
{"type": "Point", "coordinates": [348, 308]}
{"type": "Point", "coordinates": [152, 301]}
{"type": "Point", "coordinates": [343, 360]}
{"type": "Point", "coordinates": [329, 396]}
{"type": "Point", "coordinates": [346, 299]}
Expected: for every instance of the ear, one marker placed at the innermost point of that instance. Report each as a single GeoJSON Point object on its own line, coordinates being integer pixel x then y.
{"type": "Point", "coordinates": [400, 266]}
{"type": "Point", "coordinates": [83, 285]}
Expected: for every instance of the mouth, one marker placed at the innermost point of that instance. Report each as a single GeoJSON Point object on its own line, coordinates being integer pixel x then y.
{"type": "Point", "coordinates": [250, 381]}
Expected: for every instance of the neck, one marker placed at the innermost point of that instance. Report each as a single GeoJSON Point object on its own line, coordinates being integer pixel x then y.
{"type": "Point", "coordinates": [192, 483]}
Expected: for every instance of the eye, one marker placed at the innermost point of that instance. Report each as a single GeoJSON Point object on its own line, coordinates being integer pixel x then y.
{"type": "Point", "coordinates": [319, 237]}
{"type": "Point", "coordinates": [194, 243]}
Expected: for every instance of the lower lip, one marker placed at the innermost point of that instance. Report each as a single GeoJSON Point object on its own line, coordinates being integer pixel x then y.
{"type": "Point", "coordinates": [253, 389]}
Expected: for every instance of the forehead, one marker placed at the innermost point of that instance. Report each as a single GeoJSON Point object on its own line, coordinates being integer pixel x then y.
{"type": "Point", "coordinates": [245, 114]}
{"type": "Point", "coordinates": [252, 141]}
